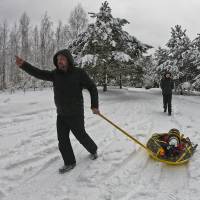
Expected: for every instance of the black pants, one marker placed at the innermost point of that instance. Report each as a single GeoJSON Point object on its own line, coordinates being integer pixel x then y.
{"type": "Point", "coordinates": [76, 125]}
{"type": "Point", "coordinates": [167, 102]}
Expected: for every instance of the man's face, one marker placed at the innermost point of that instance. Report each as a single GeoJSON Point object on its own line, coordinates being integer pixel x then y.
{"type": "Point", "coordinates": [62, 62]}
{"type": "Point", "coordinates": [167, 75]}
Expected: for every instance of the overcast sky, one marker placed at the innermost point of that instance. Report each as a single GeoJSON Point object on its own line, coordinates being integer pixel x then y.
{"type": "Point", "coordinates": [150, 20]}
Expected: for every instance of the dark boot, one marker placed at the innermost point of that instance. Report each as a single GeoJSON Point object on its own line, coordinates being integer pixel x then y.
{"type": "Point", "coordinates": [93, 156]}
{"type": "Point", "coordinates": [169, 111]}
{"type": "Point", "coordinates": [66, 168]}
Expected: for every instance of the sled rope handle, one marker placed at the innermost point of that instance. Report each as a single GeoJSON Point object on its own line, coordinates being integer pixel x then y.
{"type": "Point", "coordinates": [124, 132]}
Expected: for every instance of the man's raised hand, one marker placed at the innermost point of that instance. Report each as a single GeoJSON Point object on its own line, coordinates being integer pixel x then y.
{"type": "Point", "coordinates": [19, 61]}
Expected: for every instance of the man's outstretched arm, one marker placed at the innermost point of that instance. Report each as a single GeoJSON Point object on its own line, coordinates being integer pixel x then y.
{"type": "Point", "coordinates": [33, 71]}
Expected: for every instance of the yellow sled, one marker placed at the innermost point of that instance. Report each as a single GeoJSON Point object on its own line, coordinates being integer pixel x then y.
{"type": "Point", "coordinates": [154, 147]}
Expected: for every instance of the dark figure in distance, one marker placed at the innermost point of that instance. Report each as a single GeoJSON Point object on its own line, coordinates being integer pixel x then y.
{"type": "Point", "coordinates": [167, 85]}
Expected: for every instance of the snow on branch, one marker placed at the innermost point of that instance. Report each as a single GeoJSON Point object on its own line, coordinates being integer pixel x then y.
{"type": "Point", "coordinates": [121, 56]}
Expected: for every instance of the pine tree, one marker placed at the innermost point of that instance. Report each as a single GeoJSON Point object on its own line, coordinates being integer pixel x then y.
{"type": "Point", "coordinates": [195, 57]}
{"type": "Point", "coordinates": [178, 44]}
{"type": "Point", "coordinates": [177, 58]}
{"type": "Point", "coordinates": [149, 78]}
{"type": "Point", "coordinates": [105, 50]}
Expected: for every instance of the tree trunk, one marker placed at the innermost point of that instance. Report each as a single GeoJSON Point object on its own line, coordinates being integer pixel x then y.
{"type": "Point", "coordinates": [105, 83]}
{"type": "Point", "coordinates": [120, 81]}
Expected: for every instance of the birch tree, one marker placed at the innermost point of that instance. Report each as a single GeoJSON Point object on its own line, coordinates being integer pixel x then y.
{"type": "Point", "coordinates": [3, 54]}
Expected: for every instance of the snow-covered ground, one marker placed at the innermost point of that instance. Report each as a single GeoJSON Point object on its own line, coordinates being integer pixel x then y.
{"type": "Point", "coordinates": [29, 157]}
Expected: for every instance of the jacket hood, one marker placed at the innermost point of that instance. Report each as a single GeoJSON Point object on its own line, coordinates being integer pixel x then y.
{"type": "Point", "coordinates": [67, 54]}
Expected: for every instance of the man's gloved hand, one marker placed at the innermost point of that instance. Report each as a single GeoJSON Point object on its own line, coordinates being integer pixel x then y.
{"type": "Point", "coordinates": [95, 111]}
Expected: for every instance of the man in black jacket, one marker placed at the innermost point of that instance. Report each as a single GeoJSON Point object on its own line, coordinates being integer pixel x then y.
{"type": "Point", "coordinates": [68, 83]}
{"type": "Point", "coordinates": [167, 85]}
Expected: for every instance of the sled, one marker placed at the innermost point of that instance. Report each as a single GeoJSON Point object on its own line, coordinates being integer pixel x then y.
{"type": "Point", "coordinates": [154, 145]}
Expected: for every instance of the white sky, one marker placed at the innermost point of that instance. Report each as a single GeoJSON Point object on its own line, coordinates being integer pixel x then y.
{"type": "Point", "coordinates": [150, 20]}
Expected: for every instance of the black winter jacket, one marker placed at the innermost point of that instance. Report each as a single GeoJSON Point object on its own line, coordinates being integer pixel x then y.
{"type": "Point", "coordinates": [167, 85]}
{"type": "Point", "coordinates": [67, 86]}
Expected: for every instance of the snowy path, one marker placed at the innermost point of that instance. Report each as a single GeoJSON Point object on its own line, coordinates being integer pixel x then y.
{"type": "Point", "coordinates": [29, 157]}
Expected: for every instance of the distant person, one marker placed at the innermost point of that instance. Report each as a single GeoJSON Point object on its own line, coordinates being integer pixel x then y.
{"type": "Point", "coordinates": [167, 85]}
{"type": "Point", "coordinates": [68, 82]}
